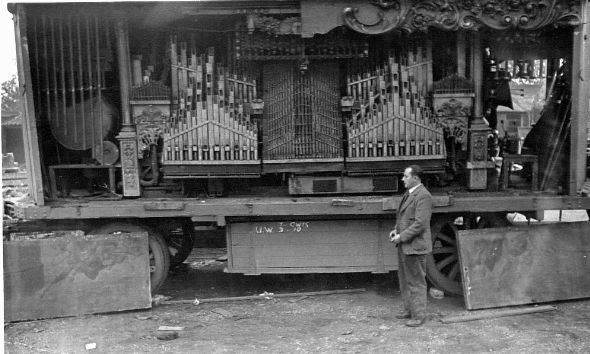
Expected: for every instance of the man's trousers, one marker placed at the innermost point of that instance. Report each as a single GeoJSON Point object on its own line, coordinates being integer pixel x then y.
{"type": "Point", "coordinates": [412, 282]}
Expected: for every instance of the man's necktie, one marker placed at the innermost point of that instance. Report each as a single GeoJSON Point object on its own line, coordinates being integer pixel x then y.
{"type": "Point", "coordinates": [404, 198]}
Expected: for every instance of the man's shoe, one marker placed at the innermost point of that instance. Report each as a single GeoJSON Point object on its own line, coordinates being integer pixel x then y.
{"type": "Point", "coordinates": [415, 322]}
{"type": "Point", "coordinates": [402, 315]}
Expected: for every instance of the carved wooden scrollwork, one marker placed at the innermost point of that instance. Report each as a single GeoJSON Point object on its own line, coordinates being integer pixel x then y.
{"type": "Point", "coordinates": [150, 128]}
{"type": "Point", "coordinates": [385, 16]}
{"type": "Point", "coordinates": [452, 115]}
{"type": "Point", "coordinates": [377, 17]}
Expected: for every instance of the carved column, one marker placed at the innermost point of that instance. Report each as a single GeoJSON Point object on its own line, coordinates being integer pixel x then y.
{"type": "Point", "coordinates": [127, 136]}
{"type": "Point", "coordinates": [478, 164]}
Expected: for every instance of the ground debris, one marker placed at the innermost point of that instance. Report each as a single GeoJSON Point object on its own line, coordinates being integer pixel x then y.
{"type": "Point", "coordinates": [159, 299]}
{"type": "Point", "coordinates": [298, 299]}
{"type": "Point", "coordinates": [222, 312]}
{"type": "Point", "coordinates": [170, 328]}
{"type": "Point", "coordinates": [167, 335]}
{"type": "Point", "coordinates": [436, 293]}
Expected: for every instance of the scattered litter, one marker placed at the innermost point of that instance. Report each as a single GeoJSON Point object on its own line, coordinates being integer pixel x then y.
{"type": "Point", "coordinates": [148, 317]}
{"type": "Point", "coordinates": [167, 336]}
{"type": "Point", "coordinates": [37, 330]}
{"type": "Point", "coordinates": [196, 302]}
{"type": "Point", "coordinates": [222, 312]}
{"type": "Point", "coordinates": [170, 328]}
{"type": "Point", "coordinates": [267, 295]}
{"type": "Point", "coordinates": [384, 328]}
{"type": "Point", "coordinates": [346, 333]}
{"type": "Point", "coordinates": [298, 299]}
{"type": "Point", "coordinates": [159, 299]}
{"type": "Point", "coordinates": [90, 346]}
{"type": "Point", "coordinates": [436, 294]}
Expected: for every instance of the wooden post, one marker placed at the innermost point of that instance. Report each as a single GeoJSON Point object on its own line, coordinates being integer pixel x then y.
{"type": "Point", "coordinates": [580, 125]}
{"type": "Point", "coordinates": [30, 138]}
{"type": "Point", "coordinates": [477, 163]}
{"type": "Point", "coordinates": [127, 136]}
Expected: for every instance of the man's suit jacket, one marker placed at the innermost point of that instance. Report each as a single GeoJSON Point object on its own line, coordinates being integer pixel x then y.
{"type": "Point", "coordinates": [413, 222]}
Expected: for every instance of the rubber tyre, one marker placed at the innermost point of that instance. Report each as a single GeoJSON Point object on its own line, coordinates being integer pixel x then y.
{"type": "Point", "coordinates": [180, 240]}
{"type": "Point", "coordinates": [441, 223]}
{"type": "Point", "coordinates": [158, 250]}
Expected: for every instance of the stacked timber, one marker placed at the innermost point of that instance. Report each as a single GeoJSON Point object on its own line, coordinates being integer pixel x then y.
{"type": "Point", "coordinates": [212, 106]}
{"type": "Point", "coordinates": [391, 116]}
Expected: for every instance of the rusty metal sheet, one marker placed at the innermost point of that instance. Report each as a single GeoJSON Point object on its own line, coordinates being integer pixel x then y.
{"type": "Point", "coordinates": [75, 275]}
{"type": "Point", "coordinates": [523, 265]}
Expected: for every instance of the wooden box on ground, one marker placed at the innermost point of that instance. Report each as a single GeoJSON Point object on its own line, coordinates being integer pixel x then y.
{"type": "Point", "coordinates": [311, 246]}
{"type": "Point", "coordinates": [522, 265]}
{"type": "Point", "coordinates": [75, 275]}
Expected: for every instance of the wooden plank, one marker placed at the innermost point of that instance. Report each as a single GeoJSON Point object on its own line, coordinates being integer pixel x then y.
{"type": "Point", "coordinates": [75, 275]}
{"type": "Point", "coordinates": [30, 138]}
{"type": "Point", "coordinates": [521, 265]}
{"type": "Point", "coordinates": [265, 297]}
{"type": "Point", "coordinates": [580, 110]}
{"type": "Point", "coordinates": [474, 316]}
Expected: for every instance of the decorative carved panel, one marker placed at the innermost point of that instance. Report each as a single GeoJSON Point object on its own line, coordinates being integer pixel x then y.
{"type": "Point", "coordinates": [376, 17]}
{"type": "Point", "coordinates": [150, 127]}
{"type": "Point", "coordinates": [452, 112]}
{"type": "Point", "coordinates": [129, 166]}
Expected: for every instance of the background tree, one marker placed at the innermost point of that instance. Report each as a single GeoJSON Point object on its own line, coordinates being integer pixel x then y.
{"type": "Point", "coordinates": [10, 97]}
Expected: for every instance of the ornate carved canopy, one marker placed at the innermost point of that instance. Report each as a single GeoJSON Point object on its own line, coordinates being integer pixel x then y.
{"type": "Point", "coordinates": [381, 16]}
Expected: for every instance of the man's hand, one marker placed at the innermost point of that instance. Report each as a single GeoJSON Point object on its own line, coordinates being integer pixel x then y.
{"type": "Point", "coordinates": [394, 236]}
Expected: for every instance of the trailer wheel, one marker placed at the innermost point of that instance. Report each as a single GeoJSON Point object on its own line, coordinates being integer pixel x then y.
{"type": "Point", "coordinates": [180, 239]}
{"type": "Point", "coordinates": [442, 265]}
{"type": "Point", "coordinates": [159, 256]}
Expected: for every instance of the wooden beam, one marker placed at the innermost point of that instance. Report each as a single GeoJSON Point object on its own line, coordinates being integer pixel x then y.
{"type": "Point", "coordinates": [208, 210]}
{"type": "Point", "coordinates": [30, 137]}
{"type": "Point", "coordinates": [580, 124]}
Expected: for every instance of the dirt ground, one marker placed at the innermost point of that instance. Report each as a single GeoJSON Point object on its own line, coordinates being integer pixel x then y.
{"type": "Point", "coordinates": [356, 323]}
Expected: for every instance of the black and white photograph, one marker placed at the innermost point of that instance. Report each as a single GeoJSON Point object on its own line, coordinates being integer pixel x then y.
{"type": "Point", "coordinates": [296, 176]}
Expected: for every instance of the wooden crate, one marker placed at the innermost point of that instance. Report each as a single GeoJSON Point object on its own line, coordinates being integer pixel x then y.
{"type": "Point", "coordinates": [312, 246]}
{"type": "Point", "coordinates": [75, 275]}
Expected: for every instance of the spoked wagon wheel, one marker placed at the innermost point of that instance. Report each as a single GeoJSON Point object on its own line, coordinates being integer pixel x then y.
{"type": "Point", "coordinates": [159, 256]}
{"type": "Point", "coordinates": [442, 265]}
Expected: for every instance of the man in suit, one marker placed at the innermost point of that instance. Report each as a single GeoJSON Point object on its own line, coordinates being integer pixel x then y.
{"type": "Point", "coordinates": [413, 241]}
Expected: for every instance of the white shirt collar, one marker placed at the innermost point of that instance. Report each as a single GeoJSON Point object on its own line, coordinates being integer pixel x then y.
{"type": "Point", "coordinates": [414, 188]}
